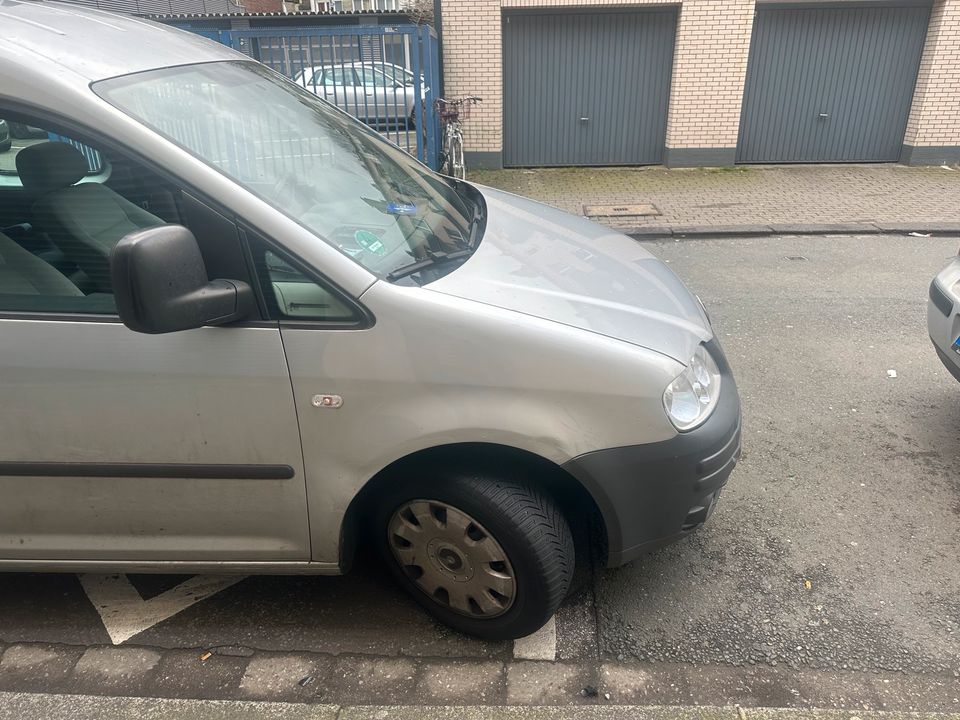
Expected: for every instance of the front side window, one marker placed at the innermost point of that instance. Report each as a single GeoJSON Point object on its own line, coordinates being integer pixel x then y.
{"type": "Point", "coordinates": [375, 78]}
{"type": "Point", "coordinates": [339, 77]}
{"type": "Point", "coordinates": [337, 178]}
{"type": "Point", "coordinates": [70, 204]}
{"type": "Point", "coordinates": [292, 294]}
{"type": "Point", "coordinates": [21, 136]}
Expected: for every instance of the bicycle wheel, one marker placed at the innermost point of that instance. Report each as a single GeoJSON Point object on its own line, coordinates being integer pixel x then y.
{"type": "Point", "coordinates": [457, 165]}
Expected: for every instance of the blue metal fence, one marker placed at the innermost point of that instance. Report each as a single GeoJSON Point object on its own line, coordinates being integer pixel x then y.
{"type": "Point", "coordinates": [386, 76]}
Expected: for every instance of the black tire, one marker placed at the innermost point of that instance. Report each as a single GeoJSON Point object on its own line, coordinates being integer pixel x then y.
{"type": "Point", "coordinates": [526, 523]}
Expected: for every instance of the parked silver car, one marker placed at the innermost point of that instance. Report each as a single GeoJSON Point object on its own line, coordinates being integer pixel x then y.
{"type": "Point", "coordinates": [371, 91]}
{"type": "Point", "coordinates": [943, 316]}
{"type": "Point", "coordinates": [253, 332]}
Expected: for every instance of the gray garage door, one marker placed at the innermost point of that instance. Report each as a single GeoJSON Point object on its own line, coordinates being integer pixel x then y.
{"type": "Point", "coordinates": [830, 84]}
{"type": "Point", "coordinates": [586, 88]}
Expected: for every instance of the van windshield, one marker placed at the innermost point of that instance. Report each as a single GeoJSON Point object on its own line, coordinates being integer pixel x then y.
{"type": "Point", "coordinates": [315, 163]}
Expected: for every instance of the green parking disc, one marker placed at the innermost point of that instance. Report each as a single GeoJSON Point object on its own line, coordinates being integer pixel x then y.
{"type": "Point", "coordinates": [368, 241]}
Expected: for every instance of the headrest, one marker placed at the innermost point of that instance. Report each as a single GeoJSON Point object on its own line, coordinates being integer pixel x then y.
{"type": "Point", "coordinates": [50, 166]}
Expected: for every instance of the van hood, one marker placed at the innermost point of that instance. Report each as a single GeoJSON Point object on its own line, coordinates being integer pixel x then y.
{"type": "Point", "coordinates": [540, 261]}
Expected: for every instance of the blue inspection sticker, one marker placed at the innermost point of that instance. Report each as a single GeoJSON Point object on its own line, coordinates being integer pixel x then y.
{"type": "Point", "coordinates": [956, 346]}
{"type": "Point", "coordinates": [401, 208]}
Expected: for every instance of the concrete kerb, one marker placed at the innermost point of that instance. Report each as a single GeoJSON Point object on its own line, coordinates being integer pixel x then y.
{"type": "Point", "coordinates": [26, 706]}
{"type": "Point", "coordinates": [699, 232]}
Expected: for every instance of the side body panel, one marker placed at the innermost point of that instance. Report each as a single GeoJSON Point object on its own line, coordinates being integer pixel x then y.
{"type": "Point", "coordinates": [98, 393]}
{"type": "Point", "coordinates": [437, 370]}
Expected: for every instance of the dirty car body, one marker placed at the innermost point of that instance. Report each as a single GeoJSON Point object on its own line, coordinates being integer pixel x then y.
{"type": "Point", "coordinates": [226, 354]}
{"type": "Point", "coordinates": [943, 316]}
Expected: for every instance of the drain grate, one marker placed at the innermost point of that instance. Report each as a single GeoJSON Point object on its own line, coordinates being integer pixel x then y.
{"type": "Point", "coordinates": [625, 210]}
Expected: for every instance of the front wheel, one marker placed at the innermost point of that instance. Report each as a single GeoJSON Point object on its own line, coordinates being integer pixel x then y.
{"type": "Point", "coordinates": [488, 556]}
{"type": "Point", "coordinates": [456, 165]}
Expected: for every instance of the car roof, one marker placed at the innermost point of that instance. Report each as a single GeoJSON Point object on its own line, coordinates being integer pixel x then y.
{"type": "Point", "coordinates": [76, 44]}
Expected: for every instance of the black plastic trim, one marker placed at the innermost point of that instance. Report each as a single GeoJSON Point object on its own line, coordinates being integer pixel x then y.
{"type": "Point", "coordinates": [147, 470]}
{"type": "Point", "coordinates": [940, 299]}
{"type": "Point", "coordinates": [646, 493]}
{"type": "Point", "coordinates": [59, 317]}
{"type": "Point", "coordinates": [947, 361]}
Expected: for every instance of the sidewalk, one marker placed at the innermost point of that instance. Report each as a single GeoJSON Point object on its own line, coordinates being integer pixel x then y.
{"type": "Point", "coordinates": [22, 706]}
{"type": "Point", "coordinates": [750, 200]}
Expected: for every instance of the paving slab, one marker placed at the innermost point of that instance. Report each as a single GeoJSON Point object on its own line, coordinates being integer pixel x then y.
{"type": "Point", "coordinates": [780, 195]}
{"type": "Point", "coordinates": [286, 677]}
{"type": "Point", "coordinates": [37, 666]}
{"type": "Point", "coordinates": [115, 668]}
{"type": "Point", "coordinates": [549, 683]}
{"type": "Point", "coordinates": [23, 706]}
{"type": "Point", "coordinates": [183, 673]}
{"type": "Point", "coordinates": [373, 681]}
{"type": "Point", "coordinates": [452, 682]}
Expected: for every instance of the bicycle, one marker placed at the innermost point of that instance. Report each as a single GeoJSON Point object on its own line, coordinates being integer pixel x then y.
{"type": "Point", "coordinates": [452, 113]}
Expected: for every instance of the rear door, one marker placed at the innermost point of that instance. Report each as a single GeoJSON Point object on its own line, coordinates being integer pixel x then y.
{"type": "Point", "coordinates": [119, 446]}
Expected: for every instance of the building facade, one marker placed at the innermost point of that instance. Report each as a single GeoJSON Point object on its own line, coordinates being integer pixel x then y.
{"type": "Point", "coordinates": [705, 82]}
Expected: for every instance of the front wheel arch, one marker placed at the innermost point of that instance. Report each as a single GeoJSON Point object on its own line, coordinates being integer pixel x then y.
{"type": "Point", "coordinates": [577, 503]}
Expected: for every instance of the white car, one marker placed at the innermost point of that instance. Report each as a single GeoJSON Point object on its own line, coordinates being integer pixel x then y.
{"type": "Point", "coordinates": [370, 91]}
{"type": "Point", "coordinates": [943, 316]}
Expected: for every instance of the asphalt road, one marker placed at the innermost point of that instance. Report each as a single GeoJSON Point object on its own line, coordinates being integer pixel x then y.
{"type": "Point", "coordinates": [829, 574]}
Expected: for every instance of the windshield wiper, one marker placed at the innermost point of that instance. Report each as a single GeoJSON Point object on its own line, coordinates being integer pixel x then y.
{"type": "Point", "coordinates": [433, 259]}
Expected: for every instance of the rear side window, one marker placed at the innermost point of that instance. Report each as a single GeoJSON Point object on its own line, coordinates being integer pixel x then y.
{"type": "Point", "coordinates": [22, 136]}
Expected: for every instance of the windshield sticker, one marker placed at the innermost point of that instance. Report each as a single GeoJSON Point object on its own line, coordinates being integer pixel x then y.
{"type": "Point", "coordinates": [370, 242]}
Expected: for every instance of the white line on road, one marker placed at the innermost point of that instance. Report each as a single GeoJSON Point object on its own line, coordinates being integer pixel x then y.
{"type": "Point", "coordinates": [124, 613]}
{"type": "Point", "coordinates": [542, 645]}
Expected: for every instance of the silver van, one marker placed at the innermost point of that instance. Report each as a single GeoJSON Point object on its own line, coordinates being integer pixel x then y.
{"type": "Point", "coordinates": [239, 332]}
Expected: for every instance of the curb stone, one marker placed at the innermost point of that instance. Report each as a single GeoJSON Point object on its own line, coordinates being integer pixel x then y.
{"type": "Point", "coordinates": [24, 706]}
{"type": "Point", "coordinates": [719, 231]}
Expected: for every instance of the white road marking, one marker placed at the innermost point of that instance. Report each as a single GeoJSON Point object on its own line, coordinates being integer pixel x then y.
{"type": "Point", "coordinates": [124, 613]}
{"type": "Point", "coordinates": [542, 645]}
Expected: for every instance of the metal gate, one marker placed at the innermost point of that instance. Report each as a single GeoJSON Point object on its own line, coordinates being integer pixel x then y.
{"type": "Point", "coordinates": [830, 84]}
{"type": "Point", "coordinates": [587, 88]}
{"type": "Point", "coordinates": [386, 76]}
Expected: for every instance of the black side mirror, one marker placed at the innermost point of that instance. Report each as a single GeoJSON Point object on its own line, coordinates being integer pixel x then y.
{"type": "Point", "coordinates": [160, 284]}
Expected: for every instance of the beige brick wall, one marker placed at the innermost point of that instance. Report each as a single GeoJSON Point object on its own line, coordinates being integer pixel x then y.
{"type": "Point", "coordinates": [710, 63]}
{"type": "Point", "coordinates": [935, 115]}
{"type": "Point", "coordinates": [473, 65]}
{"type": "Point", "coordinates": [709, 68]}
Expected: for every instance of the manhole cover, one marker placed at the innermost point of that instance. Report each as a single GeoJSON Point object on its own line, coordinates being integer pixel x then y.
{"type": "Point", "coordinates": [620, 210]}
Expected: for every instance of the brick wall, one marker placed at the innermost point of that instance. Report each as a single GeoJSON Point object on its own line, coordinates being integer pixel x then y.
{"type": "Point", "coordinates": [263, 6]}
{"type": "Point", "coordinates": [935, 115]}
{"type": "Point", "coordinates": [473, 65]}
{"type": "Point", "coordinates": [710, 63]}
{"type": "Point", "coordinates": [709, 69]}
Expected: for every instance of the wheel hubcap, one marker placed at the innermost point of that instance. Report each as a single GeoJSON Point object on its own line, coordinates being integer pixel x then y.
{"type": "Point", "coordinates": [452, 558]}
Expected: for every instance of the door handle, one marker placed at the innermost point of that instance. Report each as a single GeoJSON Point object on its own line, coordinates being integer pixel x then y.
{"type": "Point", "coordinates": [584, 119]}
{"type": "Point", "coordinates": [824, 116]}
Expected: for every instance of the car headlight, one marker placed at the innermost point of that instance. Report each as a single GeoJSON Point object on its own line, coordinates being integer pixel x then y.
{"type": "Point", "coordinates": [691, 398]}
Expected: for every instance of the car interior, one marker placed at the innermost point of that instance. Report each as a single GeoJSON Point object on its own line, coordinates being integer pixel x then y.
{"type": "Point", "coordinates": [65, 205]}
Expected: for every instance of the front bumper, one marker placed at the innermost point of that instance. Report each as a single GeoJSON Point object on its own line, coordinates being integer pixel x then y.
{"type": "Point", "coordinates": [943, 315]}
{"type": "Point", "coordinates": [650, 495]}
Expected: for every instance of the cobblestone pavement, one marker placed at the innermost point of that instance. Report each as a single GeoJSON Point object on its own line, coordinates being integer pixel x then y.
{"type": "Point", "coordinates": [816, 194]}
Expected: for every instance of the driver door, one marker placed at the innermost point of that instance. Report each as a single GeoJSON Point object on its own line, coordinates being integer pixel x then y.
{"type": "Point", "coordinates": [120, 446]}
